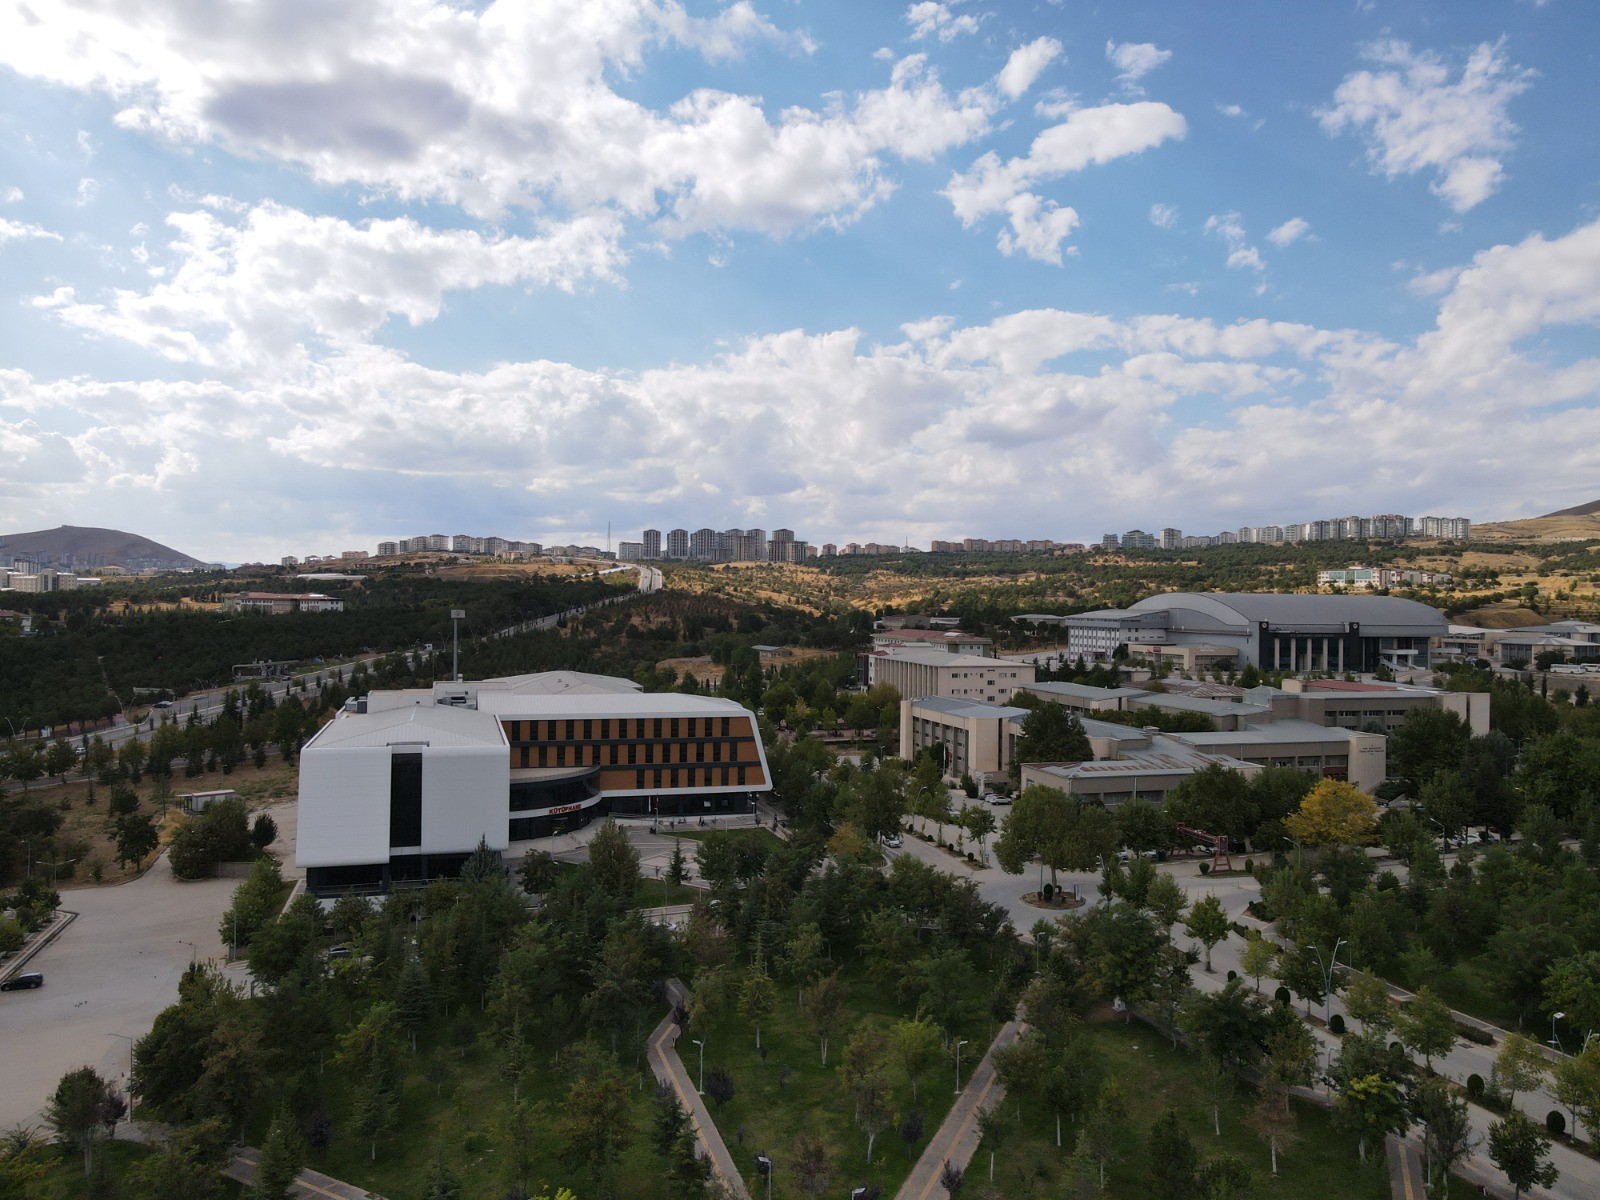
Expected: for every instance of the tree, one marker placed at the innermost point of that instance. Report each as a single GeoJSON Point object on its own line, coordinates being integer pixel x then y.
{"type": "Point", "coordinates": [1105, 1127]}
{"type": "Point", "coordinates": [1021, 1066]}
{"type": "Point", "coordinates": [613, 862]}
{"type": "Point", "coordinates": [823, 1007]}
{"type": "Point", "coordinates": [1050, 733]}
{"type": "Point", "coordinates": [1575, 1082]}
{"type": "Point", "coordinates": [443, 1183]}
{"type": "Point", "coordinates": [675, 1141]}
{"type": "Point", "coordinates": [1231, 1025]}
{"type": "Point", "coordinates": [810, 1163]}
{"type": "Point", "coordinates": [979, 822]}
{"type": "Point", "coordinates": [1370, 1107]}
{"type": "Point", "coordinates": [594, 1125]}
{"type": "Point", "coordinates": [915, 1046]}
{"type": "Point", "coordinates": [281, 1156]}
{"type": "Point", "coordinates": [187, 1165]}
{"type": "Point", "coordinates": [136, 837]}
{"type": "Point", "coordinates": [1520, 1066]}
{"type": "Point", "coordinates": [1258, 957]}
{"type": "Point", "coordinates": [76, 1111]}
{"type": "Point", "coordinates": [678, 865]}
{"type": "Point", "coordinates": [413, 997]}
{"type": "Point", "coordinates": [1521, 1149]}
{"type": "Point", "coordinates": [864, 1071]}
{"type": "Point", "coordinates": [1224, 1176]}
{"type": "Point", "coordinates": [951, 1177]}
{"type": "Point", "coordinates": [803, 958]}
{"type": "Point", "coordinates": [1208, 924]}
{"type": "Point", "coordinates": [1174, 1162]}
{"type": "Point", "coordinates": [719, 1085]}
{"type": "Point", "coordinates": [1047, 824]}
{"type": "Point", "coordinates": [1366, 998]}
{"type": "Point", "coordinates": [1573, 987]}
{"type": "Point", "coordinates": [1427, 1027]}
{"type": "Point", "coordinates": [1217, 800]}
{"type": "Point", "coordinates": [1446, 1125]}
{"type": "Point", "coordinates": [926, 795]}
{"type": "Point", "coordinates": [369, 1051]}
{"type": "Point", "coordinates": [1428, 741]}
{"type": "Point", "coordinates": [757, 999]}
{"type": "Point", "coordinates": [264, 832]}
{"type": "Point", "coordinates": [1334, 813]}
{"type": "Point", "coordinates": [1166, 901]}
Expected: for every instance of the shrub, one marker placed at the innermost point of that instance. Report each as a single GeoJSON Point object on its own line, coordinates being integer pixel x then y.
{"type": "Point", "coordinates": [1555, 1123]}
{"type": "Point", "coordinates": [1282, 995]}
{"type": "Point", "coordinates": [1472, 1033]}
{"type": "Point", "coordinates": [1205, 868]}
{"type": "Point", "coordinates": [1475, 1086]}
{"type": "Point", "coordinates": [1047, 891]}
{"type": "Point", "coordinates": [1232, 975]}
{"type": "Point", "coordinates": [1336, 1024]}
{"type": "Point", "coordinates": [1250, 866]}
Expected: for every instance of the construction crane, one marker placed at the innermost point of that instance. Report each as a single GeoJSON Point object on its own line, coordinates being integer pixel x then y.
{"type": "Point", "coordinates": [1221, 860]}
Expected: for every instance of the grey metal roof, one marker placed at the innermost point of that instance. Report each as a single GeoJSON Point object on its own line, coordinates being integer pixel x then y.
{"type": "Point", "coordinates": [969, 709]}
{"type": "Point", "coordinates": [1390, 615]}
{"type": "Point", "coordinates": [1083, 691]}
{"type": "Point", "coordinates": [433, 724]}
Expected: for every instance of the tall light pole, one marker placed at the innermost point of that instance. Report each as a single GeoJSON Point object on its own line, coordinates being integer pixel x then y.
{"type": "Point", "coordinates": [1327, 977]}
{"type": "Point", "coordinates": [958, 1065]}
{"type": "Point", "coordinates": [456, 614]}
{"type": "Point", "coordinates": [701, 1090]}
{"type": "Point", "coordinates": [193, 950]}
{"type": "Point", "coordinates": [129, 1040]}
{"type": "Point", "coordinates": [1554, 1017]}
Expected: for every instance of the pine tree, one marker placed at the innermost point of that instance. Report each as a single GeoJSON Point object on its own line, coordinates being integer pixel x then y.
{"type": "Point", "coordinates": [281, 1156]}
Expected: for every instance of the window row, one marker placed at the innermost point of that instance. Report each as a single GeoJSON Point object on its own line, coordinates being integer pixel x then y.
{"type": "Point", "coordinates": [606, 728]}
{"type": "Point", "coordinates": [672, 777]}
{"type": "Point", "coordinates": [631, 754]}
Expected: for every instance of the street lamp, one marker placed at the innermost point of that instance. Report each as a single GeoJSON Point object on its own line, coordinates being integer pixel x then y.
{"type": "Point", "coordinates": [958, 1065]}
{"type": "Point", "coordinates": [1554, 1017]}
{"type": "Point", "coordinates": [193, 949]}
{"type": "Point", "coordinates": [701, 1090]}
{"type": "Point", "coordinates": [1327, 974]}
{"type": "Point", "coordinates": [129, 1040]}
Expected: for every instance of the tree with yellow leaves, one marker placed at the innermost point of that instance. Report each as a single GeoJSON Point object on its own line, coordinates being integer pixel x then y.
{"type": "Point", "coordinates": [1334, 813]}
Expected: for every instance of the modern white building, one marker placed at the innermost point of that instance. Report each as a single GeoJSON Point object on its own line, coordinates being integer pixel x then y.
{"type": "Point", "coordinates": [401, 786]}
{"type": "Point", "coordinates": [938, 672]}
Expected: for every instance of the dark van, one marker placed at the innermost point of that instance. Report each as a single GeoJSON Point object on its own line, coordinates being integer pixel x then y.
{"type": "Point", "coordinates": [28, 979]}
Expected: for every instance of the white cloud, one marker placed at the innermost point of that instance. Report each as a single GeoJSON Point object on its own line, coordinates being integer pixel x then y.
{"type": "Point", "coordinates": [1434, 283]}
{"type": "Point", "coordinates": [1088, 136]}
{"type": "Point", "coordinates": [1135, 60]}
{"type": "Point", "coordinates": [1231, 110]}
{"type": "Point", "coordinates": [1289, 232]}
{"type": "Point", "coordinates": [1163, 216]}
{"type": "Point", "coordinates": [1241, 254]}
{"type": "Point", "coordinates": [929, 18]}
{"type": "Point", "coordinates": [12, 195]}
{"type": "Point", "coordinates": [984, 426]}
{"type": "Point", "coordinates": [1025, 65]}
{"type": "Point", "coordinates": [503, 106]}
{"type": "Point", "coordinates": [1416, 118]}
{"type": "Point", "coordinates": [15, 231]}
{"type": "Point", "coordinates": [1038, 227]}
{"type": "Point", "coordinates": [242, 293]}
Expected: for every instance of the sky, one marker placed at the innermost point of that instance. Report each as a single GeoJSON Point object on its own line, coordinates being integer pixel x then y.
{"type": "Point", "coordinates": [296, 276]}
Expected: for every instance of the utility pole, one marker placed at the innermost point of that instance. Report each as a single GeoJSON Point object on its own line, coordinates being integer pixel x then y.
{"type": "Point", "coordinates": [456, 614]}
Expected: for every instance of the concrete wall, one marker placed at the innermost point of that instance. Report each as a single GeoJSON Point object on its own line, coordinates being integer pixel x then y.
{"type": "Point", "coordinates": [344, 807]}
{"type": "Point", "coordinates": [466, 795]}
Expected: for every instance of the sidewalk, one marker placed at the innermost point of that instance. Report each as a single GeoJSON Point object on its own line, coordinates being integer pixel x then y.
{"type": "Point", "coordinates": [956, 1140]}
{"type": "Point", "coordinates": [669, 1069]}
{"type": "Point", "coordinates": [309, 1185]}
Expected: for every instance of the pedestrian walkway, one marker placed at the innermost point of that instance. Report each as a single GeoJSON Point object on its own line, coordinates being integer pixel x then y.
{"type": "Point", "coordinates": [669, 1069]}
{"type": "Point", "coordinates": [309, 1185]}
{"type": "Point", "coordinates": [958, 1135]}
{"type": "Point", "coordinates": [1405, 1170]}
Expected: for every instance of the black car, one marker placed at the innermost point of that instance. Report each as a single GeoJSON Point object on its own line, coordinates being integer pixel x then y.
{"type": "Point", "coordinates": [28, 979]}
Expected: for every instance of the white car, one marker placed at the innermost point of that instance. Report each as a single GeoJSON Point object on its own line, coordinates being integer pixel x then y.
{"type": "Point", "coordinates": [892, 840]}
{"type": "Point", "coordinates": [997, 798]}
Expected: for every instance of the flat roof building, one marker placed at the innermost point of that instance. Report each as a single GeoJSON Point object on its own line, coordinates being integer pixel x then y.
{"type": "Point", "coordinates": [401, 786]}
{"type": "Point", "coordinates": [919, 672]}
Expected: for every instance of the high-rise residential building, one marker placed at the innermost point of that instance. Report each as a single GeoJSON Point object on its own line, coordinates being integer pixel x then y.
{"type": "Point", "coordinates": [678, 543]}
{"type": "Point", "coordinates": [703, 545]}
{"type": "Point", "coordinates": [1110, 542]}
{"type": "Point", "coordinates": [829, 550]}
{"type": "Point", "coordinates": [388, 548]}
{"type": "Point", "coordinates": [651, 541]}
{"type": "Point", "coordinates": [1171, 539]}
{"type": "Point", "coordinates": [779, 549]}
{"type": "Point", "coordinates": [291, 561]}
{"type": "Point", "coordinates": [630, 551]}
{"type": "Point", "coordinates": [1138, 539]}
{"type": "Point", "coordinates": [461, 543]}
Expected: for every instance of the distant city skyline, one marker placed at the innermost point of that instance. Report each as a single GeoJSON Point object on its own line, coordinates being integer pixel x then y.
{"type": "Point", "coordinates": [879, 273]}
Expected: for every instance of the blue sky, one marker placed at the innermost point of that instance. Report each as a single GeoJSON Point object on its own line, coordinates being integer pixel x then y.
{"type": "Point", "coordinates": [327, 273]}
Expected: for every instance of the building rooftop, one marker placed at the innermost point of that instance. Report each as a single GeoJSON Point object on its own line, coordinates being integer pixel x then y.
{"type": "Point", "coordinates": [1277, 731]}
{"type": "Point", "coordinates": [1218, 708]}
{"type": "Point", "coordinates": [426, 724]}
{"type": "Point", "coordinates": [554, 683]}
{"type": "Point", "coordinates": [1083, 691]}
{"type": "Point", "coordinates": [523, 705]}
{"type": "Point", "coordinates": [929, 635]}
{"type": "Point", "coordinates": [938, 658]}
{"type": "Point", "coordinates": [970, 709]}
{"type": "Point", "coordinates": [1376, 615]}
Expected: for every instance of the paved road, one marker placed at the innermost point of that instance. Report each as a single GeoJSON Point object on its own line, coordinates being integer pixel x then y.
{"type": "Point", "coordinates": [106, 978]}
{"type": "Point", "coordinates": [669, 1069]}
{"type": "Point", "coordinates": [956, 1140]}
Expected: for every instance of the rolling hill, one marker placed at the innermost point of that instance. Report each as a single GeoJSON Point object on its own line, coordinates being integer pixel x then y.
{"type": "Point", "coordinates": [82, 547]}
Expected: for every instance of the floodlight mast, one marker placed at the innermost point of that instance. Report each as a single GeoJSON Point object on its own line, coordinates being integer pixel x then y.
{"type": "Point", "coordinates": [456, 614]}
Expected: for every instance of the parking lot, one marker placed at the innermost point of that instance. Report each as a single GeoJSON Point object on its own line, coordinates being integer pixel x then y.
{"type": "Point", "coordinates": [110, 973]}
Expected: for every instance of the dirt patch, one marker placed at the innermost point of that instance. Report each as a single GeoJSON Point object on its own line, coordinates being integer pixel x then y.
{"type": "Point", "coordinates": [1058, 902]}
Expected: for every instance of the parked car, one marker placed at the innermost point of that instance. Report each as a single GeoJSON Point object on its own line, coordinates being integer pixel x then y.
{"type": "Point", "coordinates": [892, 840]}
{"type": "Point", "coordinates": [339, 952]}
{"type": "Point", "coordinates": [997, 798]}
{"type": "Point", "coordinates": [162, 704]}
{"type": "Point", "coordinates": [21, 983]}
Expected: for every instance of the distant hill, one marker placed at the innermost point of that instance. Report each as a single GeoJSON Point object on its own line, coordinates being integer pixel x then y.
{"type": "Point", "coordinates": [82, 548]}
{"type": "Point", "coordinates": [1578, 510]}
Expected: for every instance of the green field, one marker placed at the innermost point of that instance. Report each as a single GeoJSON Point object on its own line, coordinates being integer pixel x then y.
{"type": "Point", "coordinates": [1320, 1165]}
{"type": "Point", "coordinates": [768, 1109]}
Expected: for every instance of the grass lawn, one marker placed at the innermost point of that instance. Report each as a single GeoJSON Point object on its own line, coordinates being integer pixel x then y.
{"type": "Point", "coordinates": [767, 1111]}
{"type": "Point", "coordinates": [1320, 1165]}
{"type": "Point", "coordinates": [65, 1180]}
{"type": "Point", "coordinates": [464, 1113]}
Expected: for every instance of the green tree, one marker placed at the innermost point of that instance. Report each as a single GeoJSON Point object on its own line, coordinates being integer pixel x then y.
{"type": "Point", "coordinates": [757, 998]}
{"type": "Point", "coordinates": [76, 1111]}
{"type": "Point", "coordinates": [1050, 734]}
{"type": "Point", "coordinates": [1208, 924]}
{"type": "Point", "coordinates": [1521, 1150]}
{"type": "Point", "coordinates": [822, 1008]}
{"type": "Point", "coordinates": [1257, 958]}
{"type": "Point", "coordinates": [1520, 1066]}
{"type": "Point", "coordinates": [1446, 1125]}
{"type": "Point", "coordinates": [1575, 1082]}
{"type": "Point", "coordinates": [1573, 987]}
{"type": "Point", "coordinates": [1217, 800]}
{"type": "Point", "coordinates": [370, 1052]}
{"type": "Point", "coordinates": [613, 862]}
{"type": "Point", "coordinates": [979, 822]}
{"type": "Point", "coordinates": [281, 1156]}
{"type": "Point", "coordinates": [915, 1045]}
{"type": "Point", "coordinates": [1105, 1128]}
{"type": "Point", "coordinates": [1366, 998]}
{"type": "Point", "coordinates": [1047, 824]}
{"type": "Point", "coordinates": [864, 1072]}
{"type": "Point", "coordinates": [1427, 1027]}
{"type": "Point", "coordinates": [136, 837]}
{"type": "Point", "coordinates": [1370, 1107]}
{"type": "Point", "coordinates": [1174, 1161]}
{"type": "Point", "coordinates": [593, 1124]}
{"type": "Point", "coordinates": [413, 997]}
{"type": "Point", "coordinates": [803, 958]}
{"type": "Point", "coordinates": [1428, 741]}
{"type": "Point", "coordinates": [678, 865]}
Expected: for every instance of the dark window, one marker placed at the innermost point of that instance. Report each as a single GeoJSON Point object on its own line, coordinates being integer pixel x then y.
{"type": "Point", "coordinates": [727, 726]}
{"type": "Point", "coordinates": [657, 724]}
{"type": "Point", "coordinates": [688, 725]}
{"type": "Point", "coordinates": [638, 728]}
{"type": "Point", "coordinates": [657, 782]}
{"type": "Point", "coordinates": [638, 779]}
{"type": "Point", "coordinates": [572, 728]}
{"type": "Point", "coordinates": [674, 776]}
{"type": "Point", "coordinates": [588, 730]}
{"type": "Point", "coordinates": [725, 776]}
{"type": "Point", "coordinates": [741, 775]}
{"type": "Point", "coordinates": [633, 754]}
{"type": "Point", "coordinates": [544, 756]}
{"type": "Point", "coordinates": [674, 726]}
{"type": "Point", "coordinates": [699, 752]}
{"type": "Point", "coordinates": [405, 800]}
{"type": "Point", "coordinates": [605, 728]}
{"type": "Point", "coordinates": [614, 749]}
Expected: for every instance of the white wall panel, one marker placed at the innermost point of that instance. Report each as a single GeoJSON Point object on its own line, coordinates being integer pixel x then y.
{"type": "Point", "coordinates": [466, 794]}
{"type": "Point", "coordinates": [344, 807]}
